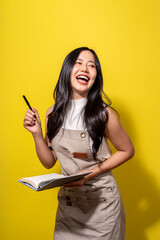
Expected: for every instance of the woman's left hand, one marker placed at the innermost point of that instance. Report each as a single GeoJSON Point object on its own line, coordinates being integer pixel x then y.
{"type": "Point", "coordinates": [78, 183]}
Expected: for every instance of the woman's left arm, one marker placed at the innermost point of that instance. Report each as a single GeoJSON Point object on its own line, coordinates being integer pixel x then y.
{"type": "Point", "coordinates": [120, 140]}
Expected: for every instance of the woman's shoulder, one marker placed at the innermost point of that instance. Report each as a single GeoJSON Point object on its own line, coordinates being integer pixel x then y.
{"type": "Point", "coordinates": [113, 116]}
{"type": "Point", "coordinates": [112, 113]}
{"type": "Point", "coordinates": [108, 113]}
{"type": "Point", "coordinates": [49, 110]}
{"type": "Point", "coordinates": [112, 119]}
{"type": "Point", "coordinates": [108, 108]}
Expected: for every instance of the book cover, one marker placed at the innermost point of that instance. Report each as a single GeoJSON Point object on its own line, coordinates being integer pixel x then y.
{"type": "Point", "coordinates": [47, 181]}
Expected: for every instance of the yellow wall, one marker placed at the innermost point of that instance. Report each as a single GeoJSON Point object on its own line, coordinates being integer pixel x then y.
{"type": "Point", "coordinates": [35, 38]}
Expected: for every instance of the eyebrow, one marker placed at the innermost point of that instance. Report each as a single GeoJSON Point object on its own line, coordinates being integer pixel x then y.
{"type": "Point", "coordinates": [88, 61]}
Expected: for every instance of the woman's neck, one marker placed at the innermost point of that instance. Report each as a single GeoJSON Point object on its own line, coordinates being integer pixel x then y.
{"type": "Point", "coordinates": [76, 96]}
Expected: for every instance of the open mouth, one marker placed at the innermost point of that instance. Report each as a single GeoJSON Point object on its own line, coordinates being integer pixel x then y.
{"type": "Point", "coordinates": [83, 78]}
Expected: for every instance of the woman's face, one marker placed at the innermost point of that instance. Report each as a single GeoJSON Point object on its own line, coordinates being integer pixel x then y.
{"type": "Point", "coordinates": [83, 74]}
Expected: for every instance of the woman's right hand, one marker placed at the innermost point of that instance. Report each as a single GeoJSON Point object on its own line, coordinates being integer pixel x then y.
{"type": "Point", "coordinates": [31, 123]}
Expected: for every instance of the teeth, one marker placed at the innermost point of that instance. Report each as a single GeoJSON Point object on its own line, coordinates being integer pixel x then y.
{"type": "Point", "coordinates": [83, 77]}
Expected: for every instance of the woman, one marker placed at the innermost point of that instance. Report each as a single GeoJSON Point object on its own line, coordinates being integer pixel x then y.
{"type": "Point", "coordinates": [77, 129]}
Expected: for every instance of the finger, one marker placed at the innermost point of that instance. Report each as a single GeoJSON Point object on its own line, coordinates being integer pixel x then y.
{"type": "Point", "coordinates": [73, 184]}
{"type": "Point", "coordinates": [68, 185]}
{"type": "Point", "coordinates": [32, 113]}
{"type": "Point", "coordinates": [29, 116]}
{"type": "Point", "coordinates": [36, 113]}
{"type": "Point", "coordinates": [28, 123]}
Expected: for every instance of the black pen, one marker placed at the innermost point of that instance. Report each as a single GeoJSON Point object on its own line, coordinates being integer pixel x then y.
{"type": "Point", "coordinates": [25, 99]}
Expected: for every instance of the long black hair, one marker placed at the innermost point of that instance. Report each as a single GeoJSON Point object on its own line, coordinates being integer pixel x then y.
{"type": "Point", "coordinates": [95, 113]}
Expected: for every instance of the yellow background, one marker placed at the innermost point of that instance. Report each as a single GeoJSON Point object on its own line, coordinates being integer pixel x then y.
{"type": "Point", "coordinates": [35, 37]}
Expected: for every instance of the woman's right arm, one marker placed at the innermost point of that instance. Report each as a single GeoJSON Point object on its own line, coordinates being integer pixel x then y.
{"type": "Point", "coordinates": [45, 155]}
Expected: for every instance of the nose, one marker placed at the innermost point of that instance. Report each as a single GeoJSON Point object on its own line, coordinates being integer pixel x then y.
{"type": "Point", "coordinates": [84, 68]}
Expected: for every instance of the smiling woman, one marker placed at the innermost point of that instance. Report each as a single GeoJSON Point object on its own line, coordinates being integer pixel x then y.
{"type": "Point", "coordinates": [77, 129]}
{"type": "Point", "coordinates": [83, 74]}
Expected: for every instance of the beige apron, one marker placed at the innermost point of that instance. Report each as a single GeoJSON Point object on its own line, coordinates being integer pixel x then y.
{"type": "Point", "coordinates": [94, 211]}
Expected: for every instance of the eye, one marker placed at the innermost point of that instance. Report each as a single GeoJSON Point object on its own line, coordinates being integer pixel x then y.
{"type": "Point", "coordinates": [78, 62]}
{"type": "Point", "coordinates": [92, 65]}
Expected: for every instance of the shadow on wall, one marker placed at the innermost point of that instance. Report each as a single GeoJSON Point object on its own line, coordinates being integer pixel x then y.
{"type": "Point", "coordinates": [139, 193]}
